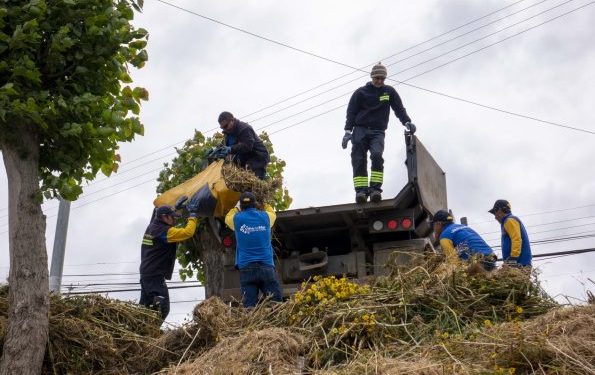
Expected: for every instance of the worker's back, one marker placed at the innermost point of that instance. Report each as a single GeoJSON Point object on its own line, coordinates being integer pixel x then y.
{"type": "Point", "coordinates": [253, 236]}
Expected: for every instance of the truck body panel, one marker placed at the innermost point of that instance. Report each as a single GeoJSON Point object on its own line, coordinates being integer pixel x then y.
{"type": "Point", "coordinates": [355, 240]}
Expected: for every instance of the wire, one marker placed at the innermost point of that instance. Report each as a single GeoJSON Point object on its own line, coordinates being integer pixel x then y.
{"type": "Point", "coordinates": [257, 35]}
{"type": "Point", "coordinates": [130, 290]}
{"type": "Point", "coordinates": [541, 213]}
{"type": "Point", "coordinates": [551, 222]}
{"type": "Point", "coordinates": [403, 82]}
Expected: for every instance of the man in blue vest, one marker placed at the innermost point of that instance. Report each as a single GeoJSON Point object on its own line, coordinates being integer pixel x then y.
{"type": "Point", "coordinates": [459, 242]}
{"type": "Point", "coordinates": [367, 119]}
{"type": "Point", "coordinates": [158, 256]}
{"type": "Point", "coordinates": [244, 145]}
{"type": "Point", "coordinates": [516, 249]}
{"type": "Point", "coordinates": [254, 253]}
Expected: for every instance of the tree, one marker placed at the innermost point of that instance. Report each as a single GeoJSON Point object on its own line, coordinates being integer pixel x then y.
{"type": "Point", "coordinates": [202, 257]}
{"type": "Point", "coordinates": [63, 110]}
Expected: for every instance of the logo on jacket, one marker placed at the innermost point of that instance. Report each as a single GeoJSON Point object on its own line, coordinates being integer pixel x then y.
{"type": "Point", "coordinates": [246, 229]}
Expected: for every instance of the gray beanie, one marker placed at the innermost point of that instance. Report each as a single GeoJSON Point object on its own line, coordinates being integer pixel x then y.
{"type": "Point", "coordinates": [378, 71]}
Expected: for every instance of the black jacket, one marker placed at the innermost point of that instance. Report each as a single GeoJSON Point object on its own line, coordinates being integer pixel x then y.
{"type": "Point", "coordinates": [158, 257]}
{"type": "Point", "coordinates": [244, 142]}
{"type": "Point", "coordinates": [370, 106]}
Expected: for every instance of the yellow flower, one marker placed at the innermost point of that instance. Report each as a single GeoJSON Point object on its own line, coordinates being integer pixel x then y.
{"type": "Point", "coordinates": [487, 323]}
{"type": "Point", "coordinates": [519, 310]}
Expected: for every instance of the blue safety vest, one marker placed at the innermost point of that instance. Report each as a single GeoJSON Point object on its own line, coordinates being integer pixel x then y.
{"type": "Point", "coordinates": [525, 257]}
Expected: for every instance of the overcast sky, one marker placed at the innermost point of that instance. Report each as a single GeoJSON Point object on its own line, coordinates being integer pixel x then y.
{"type": "Point", "coordinates": [198, 68]}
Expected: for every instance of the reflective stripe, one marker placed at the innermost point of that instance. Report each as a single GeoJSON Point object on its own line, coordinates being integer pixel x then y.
{"type": "Point", "coordinates": [376, 176]}
{"type": "Point", "coordinates": [148, 242]}
{"type": "Point", "coordinates": [384, 98]}
{"type": "Point", "coordinates": [360, 181]}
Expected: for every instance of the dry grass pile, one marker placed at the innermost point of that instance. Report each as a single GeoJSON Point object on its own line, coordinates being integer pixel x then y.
{"type": "Point", "coordinates": [241, 180]}
{"type": "Point", "coordinates": [94, 335]}
{"type": "Point", "coordinates": [268, 351]}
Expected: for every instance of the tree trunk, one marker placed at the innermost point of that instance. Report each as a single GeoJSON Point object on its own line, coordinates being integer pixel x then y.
{"type": "Point", "coordinates": [211, 254]}
{"type": "Point", "coordinates": [28, 296]}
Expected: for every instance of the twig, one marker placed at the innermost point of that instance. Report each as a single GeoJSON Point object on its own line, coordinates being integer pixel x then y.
{"type": "Point", "coordinates": [186, 351]}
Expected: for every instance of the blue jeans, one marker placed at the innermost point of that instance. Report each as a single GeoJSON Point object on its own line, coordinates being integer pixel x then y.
{"type": "Point", "coordinates": [257, 277]}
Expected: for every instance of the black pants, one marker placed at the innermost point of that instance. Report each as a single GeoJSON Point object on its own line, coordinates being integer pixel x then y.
{"type": "Point", "coordinates": [364, 140]}
{"type": "Point", "coordinates": [154, 294]}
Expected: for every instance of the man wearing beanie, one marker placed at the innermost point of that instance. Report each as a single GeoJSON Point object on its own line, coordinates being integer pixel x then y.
{"type": "Point", "coordinates": [367, 120]}
{"type": "Point", "coordinates": [242, 142]}
{"type": "Point", "coordinates": [254, 253]}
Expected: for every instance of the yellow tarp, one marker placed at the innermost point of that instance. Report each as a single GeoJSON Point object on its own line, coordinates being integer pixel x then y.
{"type": "Point", "coordinates": [226, 198]}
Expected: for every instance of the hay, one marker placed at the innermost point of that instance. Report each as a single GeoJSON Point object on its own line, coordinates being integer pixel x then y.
{"type": "Point", "coordinates": [241, 180]}
{"type": "Point", "coordinates": [269, 351]}
{"type": "Point", "coordinates": [92, 334]}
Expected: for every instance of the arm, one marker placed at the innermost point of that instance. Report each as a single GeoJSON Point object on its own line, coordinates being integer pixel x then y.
{"type": "Point", "coordinates": [229, 217]}
{"type": "Point", "coordinates": [181, 234]}
{"type": "Point", "coordinates": [397, 105]}
{"type": "Point", "coordinates": [271, 213]}
{"type": "Point", "coordinates": [513, 229]}
{"type": "Point", "coordinates": [449, 251]}
{"type": "Point", "coordinates": [245, 142]}
{"type": "Point", "coordinates": [352, 110]}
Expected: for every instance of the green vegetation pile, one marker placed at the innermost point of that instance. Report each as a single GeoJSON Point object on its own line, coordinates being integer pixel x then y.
{"type": "Point", "coordinates": [93, 335]}
{"type": "Point", "coordinates": [241, 180]}
{"type": "Point", "coordinates": [425, 318]}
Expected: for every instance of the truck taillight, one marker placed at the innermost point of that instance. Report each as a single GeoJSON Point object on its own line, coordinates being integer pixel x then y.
{"type": "Point", "coordinates": [227, 241]}
{"type": "Point", "coordinates": [377, 225]}
{"type": "Point", "coordinates": [406, 223]}
{"type": "Point", "coordinates": [392, 224]}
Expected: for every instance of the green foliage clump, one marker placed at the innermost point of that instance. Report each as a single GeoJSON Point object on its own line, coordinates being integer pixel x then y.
{"type": "Point", "coordinates": [64, 75]}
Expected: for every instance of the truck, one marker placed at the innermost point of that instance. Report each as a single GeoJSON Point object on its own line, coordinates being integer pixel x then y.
{"type": "Point", "coordinates": [353, 240]}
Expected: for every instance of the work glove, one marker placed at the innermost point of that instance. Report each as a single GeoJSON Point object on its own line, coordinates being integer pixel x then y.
{"type": "Point", "coordinates": [511, 262]}
{"type": "Point", "coordinates": [346, 139]}
{"type": "Point", "coordinates": [410, 127]}
{"type": "Point", "coordinates": [180, 202]}
{"type": "Point", "coordinates": [225, 150]}
{"type": "Point", "coordinates": [192, 208]}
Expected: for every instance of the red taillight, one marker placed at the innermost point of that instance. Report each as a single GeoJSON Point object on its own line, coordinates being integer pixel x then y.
{"type": "Point", "coordinates": [392, 224]}
{"type": "Point", "coordinates": [406, 223]}
{"type": "Point", "coordinates": [227, 241]}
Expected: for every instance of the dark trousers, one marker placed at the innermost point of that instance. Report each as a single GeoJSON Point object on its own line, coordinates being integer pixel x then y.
{"type": "Point", "coordinates": [259, 277]}
{"type": "Point", "coordinates": [364, 140]}
{"type": "Point", "coordinates": [154, 294]}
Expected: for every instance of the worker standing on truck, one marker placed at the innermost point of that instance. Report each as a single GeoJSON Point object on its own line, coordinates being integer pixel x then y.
{"type": "Point", "coordinates": [516, 250]}
{"type": "Point", "coordinates": [254, 252]}
{"type": "Point", "coordinates": [244, 145]}
{"type": "Point", "coordinates": [459, 242]}
{"type": "Point", "coordinates": [367, 120]}
{"type": "Point", "coordinates": [158, 256]}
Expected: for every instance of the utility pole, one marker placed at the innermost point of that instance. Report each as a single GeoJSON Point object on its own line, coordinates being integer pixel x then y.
{"type": "Point", "coordinates": [59, 246]}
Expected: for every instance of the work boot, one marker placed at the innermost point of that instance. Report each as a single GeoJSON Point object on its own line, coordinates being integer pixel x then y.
{"type": "Point", "coordinates": [375, 196]}
{"type": "Point", "coordinates": [361, 197]}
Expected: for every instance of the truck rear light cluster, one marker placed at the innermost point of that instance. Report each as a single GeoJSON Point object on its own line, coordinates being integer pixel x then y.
{"type": "Point", "coordinates": [227, 241]}
{"type": "Point", "coordinates": [392, 224]}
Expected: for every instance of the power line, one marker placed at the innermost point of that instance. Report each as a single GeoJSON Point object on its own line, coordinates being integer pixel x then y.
{"type": "Point", "coordinates": [403, 82]}
{"type": "Point", "coordinates": [541, 213]}
{"type": "Point", "coordinates": [130, 290]}
{"type": "Point", "coordinates": [388, 57]}
{"type": "Point", "coordinates": [551, 222]}
{"type": "Point", "coordinates": [416, 54]}
{"type": "Point", "coordinates": [257, 35]}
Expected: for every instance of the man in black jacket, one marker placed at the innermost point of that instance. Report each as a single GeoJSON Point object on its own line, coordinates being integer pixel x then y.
{"type": "Point", "coordinates": [158, 256]}
{"type": "Point", "coordinates": [243, 143]}
{"type": "Point", "coordinates": [367, 119]}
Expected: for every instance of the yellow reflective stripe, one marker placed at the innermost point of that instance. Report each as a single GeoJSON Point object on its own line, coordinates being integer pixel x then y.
{"type": "Point", "coordinates": [384, 98]}
{"type": "Point", "coordinates": [148, 242]}
{"type": "Point", "coordinates": [360, 181]}
{"type": "Point", "coordinates": [376, 176]}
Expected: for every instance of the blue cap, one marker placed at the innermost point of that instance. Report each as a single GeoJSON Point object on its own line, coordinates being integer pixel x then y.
{"type": "Point", "coordinates": [166, 210]}
{"type": "Point", "coordinates": [500, 204]}
{"type": "Point", "coordinates": [442, 216]}
{"type": "Point", "coordinates": [247, 199]}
